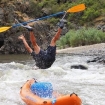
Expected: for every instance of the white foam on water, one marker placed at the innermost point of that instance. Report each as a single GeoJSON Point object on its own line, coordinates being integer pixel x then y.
{"type": "Point", "coordinates": [88, 84]}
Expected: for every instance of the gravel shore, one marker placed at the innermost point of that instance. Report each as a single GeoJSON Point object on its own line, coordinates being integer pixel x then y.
{"type": "Point", "coordinates": [91, 50]}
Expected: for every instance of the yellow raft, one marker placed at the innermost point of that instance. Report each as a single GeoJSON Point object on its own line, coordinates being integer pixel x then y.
{"type": "Point", "coordinates": [31, 99]}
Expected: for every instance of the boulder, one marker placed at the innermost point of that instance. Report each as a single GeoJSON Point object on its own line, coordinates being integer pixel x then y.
{"type": "Point", "coordinates": [79, 67]}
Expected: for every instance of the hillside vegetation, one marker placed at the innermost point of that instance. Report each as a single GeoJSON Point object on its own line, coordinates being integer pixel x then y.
{"type": "Point", "coordinates": [81, 37]}
{"type": "Point", "coordinates": [94, 9]}
{"type": "Point", "coordinates": [82, 26]}
{"type": "Point", "coordinates": [94, 12]}
{"type": "Point", "coordinates": [93, 16]}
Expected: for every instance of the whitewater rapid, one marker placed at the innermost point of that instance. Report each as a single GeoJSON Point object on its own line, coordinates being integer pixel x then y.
{"type": "Point", "coordinates": [88, 84]}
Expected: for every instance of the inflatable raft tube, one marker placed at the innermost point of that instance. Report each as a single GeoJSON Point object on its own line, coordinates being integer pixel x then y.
{"type": "Point", "coordinates": [31, 99]}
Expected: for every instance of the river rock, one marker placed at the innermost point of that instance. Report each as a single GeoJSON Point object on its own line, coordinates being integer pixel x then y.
{"type": "Point", "coordinates": [79, 67]}
{"type": "Point", "coordinates": [98, 59]}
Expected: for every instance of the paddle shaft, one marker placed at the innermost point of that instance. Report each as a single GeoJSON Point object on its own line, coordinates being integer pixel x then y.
{"type": "Point", "coordinates": [64, 15]}
{"type": "Point", "coordinates": [42, 18]}
{"type": "Point", "coordinates": [77, 8]}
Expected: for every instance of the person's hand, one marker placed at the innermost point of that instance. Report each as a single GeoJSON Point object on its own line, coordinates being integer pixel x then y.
{"type": "Point", "coordinates": [62, 23]}
{"type": "Point", "coordinates": [21, 37]}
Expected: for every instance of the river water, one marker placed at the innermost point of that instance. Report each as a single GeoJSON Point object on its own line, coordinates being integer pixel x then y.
{"type": "Point", "coordinates": [89, 84]}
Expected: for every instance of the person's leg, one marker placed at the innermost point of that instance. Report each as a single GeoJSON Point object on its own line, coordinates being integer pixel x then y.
{"type": "Point", "coordinates": [33, 41]}
{"type": "Point", "coordinates": [56, 37]}
{"type": "Point", "coordinates": [25, 43]}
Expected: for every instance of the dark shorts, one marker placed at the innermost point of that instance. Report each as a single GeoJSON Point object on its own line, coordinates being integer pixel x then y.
{"type": "Point", "coordinates": [45, 58]}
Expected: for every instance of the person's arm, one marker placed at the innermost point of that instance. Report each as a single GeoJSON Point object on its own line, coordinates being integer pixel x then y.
{"type": "Point", "coordinates": [56, 37]}
{"type": "Point", "coordinates": [32, 38]}
{"type": "Point", "coordinates": [33, 41]}
{"type": "Point", "coordinates": [25, 43]}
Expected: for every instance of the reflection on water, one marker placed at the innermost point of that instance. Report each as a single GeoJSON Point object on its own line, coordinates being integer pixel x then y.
{"type": "Point", "coordinates": [88, 84]}
{"type": "Point", "coordinates": [9, 58]}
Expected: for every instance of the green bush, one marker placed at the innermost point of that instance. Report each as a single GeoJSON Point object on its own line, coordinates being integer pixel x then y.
{"type": "Point", "coordinates": [90, 14]}
{"type": "Point", "coordinates": [81, 37]}
{"type": "Point", "coordinates": [53, 21]}
{"type": "Point", "coordinates": [34, 9]}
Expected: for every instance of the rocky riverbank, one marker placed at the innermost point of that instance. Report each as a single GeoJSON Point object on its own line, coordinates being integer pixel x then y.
{"type": "Point", "coordinates": [91, 50]}
{"type": "Point", "coordinates": [21, 10]}
{"type": "Point", "coordinates": [97, 51]}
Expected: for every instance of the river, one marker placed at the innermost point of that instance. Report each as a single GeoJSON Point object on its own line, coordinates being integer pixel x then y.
{"type": "Point", "coordinates": [89, 84]}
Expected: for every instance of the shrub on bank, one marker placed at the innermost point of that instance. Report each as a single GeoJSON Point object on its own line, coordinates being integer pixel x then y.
{"type": "Point", "coordinates": [81, 37]}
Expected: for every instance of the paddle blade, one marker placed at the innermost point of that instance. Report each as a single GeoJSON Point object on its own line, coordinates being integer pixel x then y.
{"type": "Point", "coordinates": [2, 29]}
{"type": "Point", "coordinates": [77, 8]}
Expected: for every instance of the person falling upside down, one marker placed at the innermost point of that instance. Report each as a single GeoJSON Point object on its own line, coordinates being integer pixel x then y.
{"type": "Point", "coordinates": [43, 58]}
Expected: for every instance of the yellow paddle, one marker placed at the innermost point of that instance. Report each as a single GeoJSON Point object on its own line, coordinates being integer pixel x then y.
{"type": "Point", "coordinates": [73, 9]}
{"type": "Point", "coordinates": [2, 29]}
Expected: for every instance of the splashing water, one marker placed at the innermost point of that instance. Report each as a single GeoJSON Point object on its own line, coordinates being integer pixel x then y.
{"type": "Point", "coordinates": [88, 84]}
